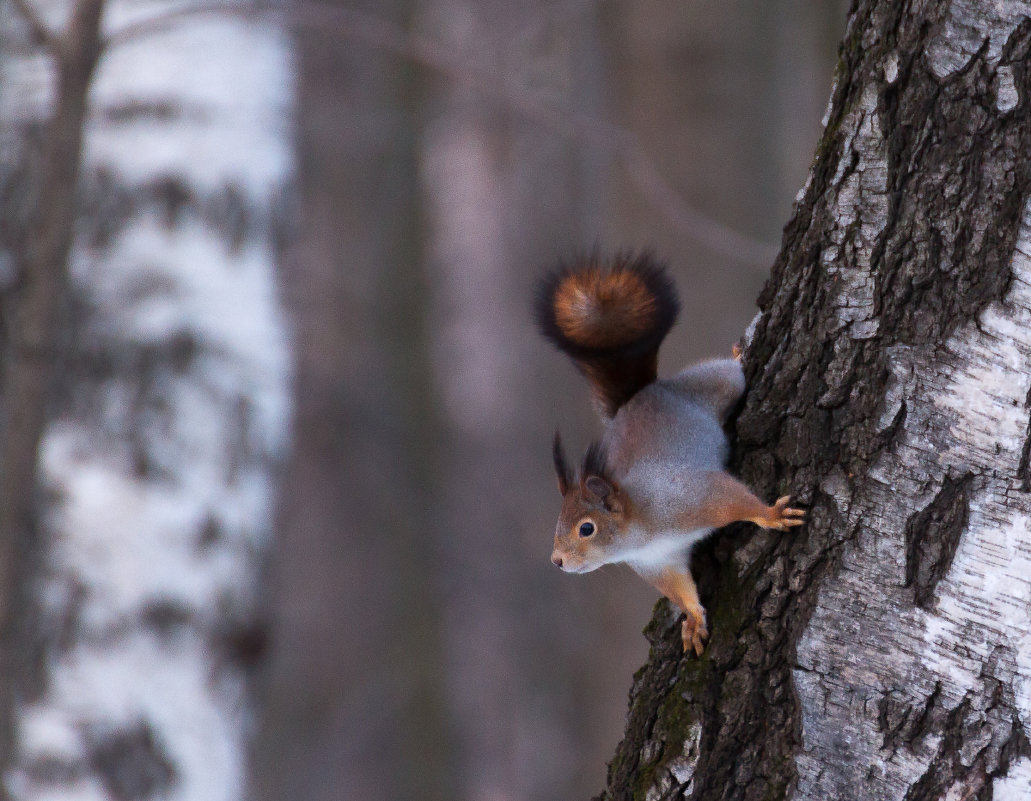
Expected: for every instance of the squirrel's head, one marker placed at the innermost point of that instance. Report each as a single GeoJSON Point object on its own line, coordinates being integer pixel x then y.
{"type": "Point", "coordinates": [593, 516]}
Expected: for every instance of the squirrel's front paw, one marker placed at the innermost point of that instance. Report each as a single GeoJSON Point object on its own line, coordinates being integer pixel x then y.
{"type": "Point", "coordinates": [780, 516]}
{"type": "Point", "coordinates": [693, 632]}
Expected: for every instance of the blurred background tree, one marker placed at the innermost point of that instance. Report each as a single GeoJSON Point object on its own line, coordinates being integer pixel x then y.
{"type": "Point", "coordinates": [447, 152]}
{"type": "Point", "coordinates": [145, 154]}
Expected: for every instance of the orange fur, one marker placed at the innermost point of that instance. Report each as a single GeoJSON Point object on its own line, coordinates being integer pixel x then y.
{"type": "Point", "coordinates": [610, 318]}
{"type": "Point", "coordinates": [598, 309]}
{"type": "Point", "coordinates": [729, 501]}
{"type": "Point", "coordinates": [680, 588]}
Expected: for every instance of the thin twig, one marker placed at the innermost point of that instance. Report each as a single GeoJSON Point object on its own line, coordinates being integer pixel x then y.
{"type": "Point", "coordinates": [40, 31]}
{"type": "Point", "coordinates": [388, 36]}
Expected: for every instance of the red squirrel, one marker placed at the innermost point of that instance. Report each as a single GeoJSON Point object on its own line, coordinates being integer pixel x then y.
{"type": "Point", "coordinates": [655, 483]}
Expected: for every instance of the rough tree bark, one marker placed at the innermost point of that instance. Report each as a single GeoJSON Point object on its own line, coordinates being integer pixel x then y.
{"type": "Point", "coordinates": [882, 652]}
{"type": "Point", "coordinates": [145, 395]}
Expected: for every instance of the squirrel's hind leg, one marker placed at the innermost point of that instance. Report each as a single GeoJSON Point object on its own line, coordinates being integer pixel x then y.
{"type": "Point", "coordinates": [678, 585]}
{"type": "Point", "coordinates": [717, 383]}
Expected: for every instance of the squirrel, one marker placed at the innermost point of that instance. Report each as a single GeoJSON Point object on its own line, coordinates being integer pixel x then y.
{"type": "Point", "coordinates": [655, 483]}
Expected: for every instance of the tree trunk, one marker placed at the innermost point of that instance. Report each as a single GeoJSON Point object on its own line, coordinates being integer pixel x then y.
{"type": "Point", "coordinates": [499, 192]}
{"type": "Point", "coordinates": [354, 686]}
{"type": "Point", "coordinates": [882, 651]}
{"type": "Point", "coordinates": [161, 402]}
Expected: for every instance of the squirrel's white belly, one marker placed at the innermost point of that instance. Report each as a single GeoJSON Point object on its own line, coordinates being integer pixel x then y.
{"type": "Point", "coordinates": [662, 550]}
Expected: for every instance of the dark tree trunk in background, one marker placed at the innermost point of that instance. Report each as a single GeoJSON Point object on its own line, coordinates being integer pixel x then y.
{"type": "Point", "coordinates": [502, 196]}
{"type": "Point", "coordinates": [342, 687]}
{"type": "Point", "coordinates": [882, 651]}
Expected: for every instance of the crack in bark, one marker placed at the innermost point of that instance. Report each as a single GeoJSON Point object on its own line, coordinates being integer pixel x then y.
{"type": "Point", "coordinates": [960, 771]}
{"type": "Point", "coordinates": [1024, 466]}
{"type": "Point", "coordinates": [131, 762]}
{"type": "Point", "coordinates": [932, 536]}
{"type": "Point", "coordinates": [904, 723]}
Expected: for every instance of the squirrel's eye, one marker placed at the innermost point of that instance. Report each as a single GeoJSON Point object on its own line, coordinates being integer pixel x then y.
{"type": "Point", "coordinates": [586, 529]}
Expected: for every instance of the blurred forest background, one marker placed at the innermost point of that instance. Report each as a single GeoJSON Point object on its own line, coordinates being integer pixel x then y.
{"type": "Point", "coordinates": [424, 645]}
{"type": "Point", "coordinates": [445, 153]}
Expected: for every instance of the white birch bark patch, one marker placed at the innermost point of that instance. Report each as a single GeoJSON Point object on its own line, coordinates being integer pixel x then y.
{"type": "Point", "coordinates": [920, 640]}
{"type": "Point", "coordinates": [967, 28]}
{"type": "Point", "coordinates": [962, 657]}
{"type": "Point", "coordinates": [175, 407]}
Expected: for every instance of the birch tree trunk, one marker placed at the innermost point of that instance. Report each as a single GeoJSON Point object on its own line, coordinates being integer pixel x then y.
{"type": "Point", "coordinates": [164, 403]}
{"type": "Point", "coordinates": [883, 651]}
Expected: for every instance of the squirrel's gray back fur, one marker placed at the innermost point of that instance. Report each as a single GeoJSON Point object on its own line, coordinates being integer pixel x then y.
{"type": "Point", "coordinates": [671, 432]}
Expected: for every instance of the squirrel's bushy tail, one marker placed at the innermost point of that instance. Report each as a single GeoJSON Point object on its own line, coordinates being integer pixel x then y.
{"type": "Point", "coordinates": [610, 318]}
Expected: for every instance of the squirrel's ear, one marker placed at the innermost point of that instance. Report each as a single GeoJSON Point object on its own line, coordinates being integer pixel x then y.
{"type": "Point", "coordinates": [564, 477]}
{"type": "Point", "coordinates": [604, 492]}
{"type": "Point", "coordinates": [595, 479]}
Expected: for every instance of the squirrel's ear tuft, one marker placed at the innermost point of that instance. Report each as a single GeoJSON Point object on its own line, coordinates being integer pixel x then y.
{"type": "Point", "coordinates": [595, 462]}
{"type": "Point", "coordinates": [565, 478]}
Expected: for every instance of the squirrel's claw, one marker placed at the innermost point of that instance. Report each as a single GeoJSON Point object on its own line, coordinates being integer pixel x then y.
{"type": "Point", "coordinates": [780, 516]}
{"type": "Point", "coordinates": [693, 633]}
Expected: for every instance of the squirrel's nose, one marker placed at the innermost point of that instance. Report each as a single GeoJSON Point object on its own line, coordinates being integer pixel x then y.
{"type": "Point", "coordinates": [556, 559]}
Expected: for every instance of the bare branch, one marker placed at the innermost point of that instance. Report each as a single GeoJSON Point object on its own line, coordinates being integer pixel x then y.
{"type": "Point", "coordinates": [40, 31]}
{"type": "Point", "coordinates": [162, 21]}
{"type": "Point", "coordinates": [388, 36]}
{"type": "Point", "coordinates": [29, 367]}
